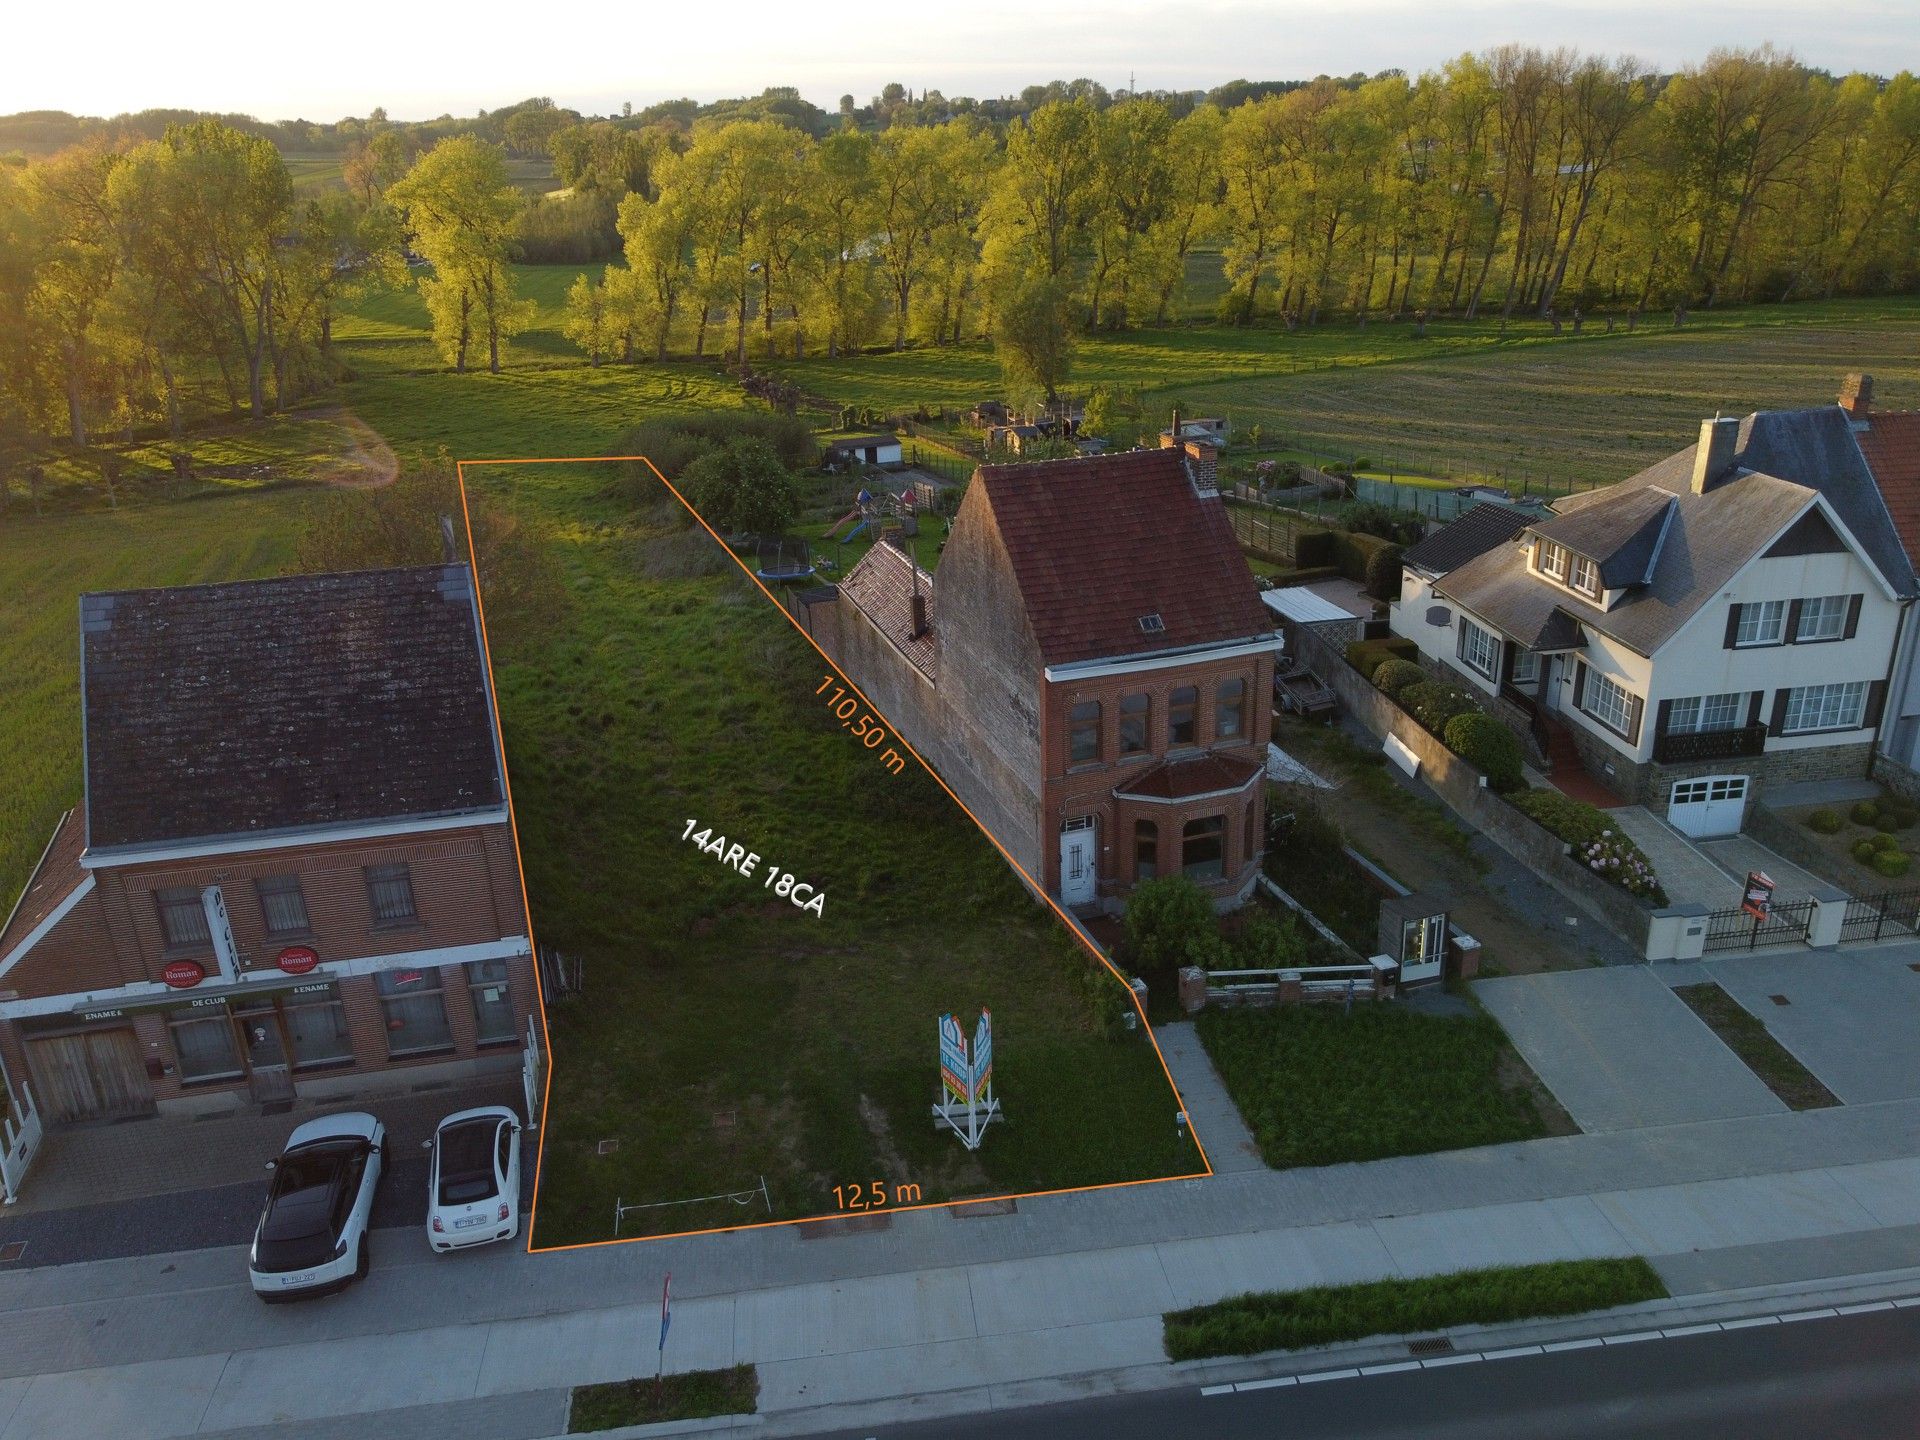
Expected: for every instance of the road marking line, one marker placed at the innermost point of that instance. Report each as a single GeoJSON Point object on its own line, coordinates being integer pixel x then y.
{"type": "Point", "coordinates": [1509, 1354]}
{"type": "Point", "coordinates": [1679, 1330]}
{"type": "Point", "coordinates": [1397, 1368]}
{"type": "Point", "coordinates": [1808, 1315]}
{"type": "Point", "coordinates": [1276, 1383]}
{"type": "Point", "coordinates": [1561, 1346]}
{"type": "Point", "coordinates": [1328, 1375]}
{"type": "Point", "coordinates": [1216, 1389]}
{"type": "Point", "coordinates": [1865, 1309]}
{"type": "Point", "coordinates": [1748, 1324]}
{"type": "Point", "coordinates": [1633, 1338]}
{"type": "Point", "coordinates": [1445, 1360]}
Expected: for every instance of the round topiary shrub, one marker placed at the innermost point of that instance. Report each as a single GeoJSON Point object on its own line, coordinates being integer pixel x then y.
{"type": "Point", "coordinates": [1434, 702]}
{"type": "Point", "coordinates": [1489, 746]}
{"type": "Point", "coordinates": [1901, 814]}
{"type": "Point", "coordinates": [1863, 812]}
{"type": "Point", "coordinates": [1883, 843]}
{"type": "Point", "coordinates": [1392, 677]}
{"type": "Point", "coordinates": [1824, 822]}
{"type": "Point", "coordinates": [1863, 850]}
{"type": "Point", "coordinates": [1892, 863]}
{"type": "Point", "coordinates": [1883, 822]}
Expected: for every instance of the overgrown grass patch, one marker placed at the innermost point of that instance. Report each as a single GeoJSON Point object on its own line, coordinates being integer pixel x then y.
{"type": "Point", "coordinates": [1319, 1086]}
{"type": "Point", "coordinates": [1798, 1087]}
{"type": "Point", "coordinates": [695, 1395]}
{"type": "Point", "coordinates": [1328, 1314]}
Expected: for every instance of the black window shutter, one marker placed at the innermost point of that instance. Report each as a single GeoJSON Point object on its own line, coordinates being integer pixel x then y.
{"type": "Point", "coordinates": [1579, 682]}
{"type": "Point", "coordinates": [1733, 626]}
{"type": "Point", "coordinates": [1777, 725]}
{"type": "Point", "coordinates": [1876, 698]}
{"type": "Point", "coordinates": [1792, 632]}
{"type": "Point", "coordinates": [1853, 615]}
{"type": "Point", "coordinates": [1460, 640]}
{"type": "Point", "coordinates": [1661, 718]}
{"type": "Point", "coordinates": [1505, 677]}
{"type": "Point", "coordinates": [1753, 706]}
{"type": "Point", "coordinates": [1635, 708]}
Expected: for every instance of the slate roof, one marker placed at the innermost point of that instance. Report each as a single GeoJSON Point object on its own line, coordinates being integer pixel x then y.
{"type": "Point", "coordinates": [1622, 538]}
{"type": "Point", "coordinates": [266, 706]}
{"type": "Point", "coordinates": [1476, 531]}
{"type": "Point", "coordinates": [1710, 538]}
{"type": "Point", "coordinates": [1097, 542]}
{"type": "Point", "coordinates": [53, 880]}
{"type": "Point", "coordinates": [880, 586]}
{"type": "Point", "coordinates": [1891, 446]}
{"type": "Point", "coordinates": [1184, 779]}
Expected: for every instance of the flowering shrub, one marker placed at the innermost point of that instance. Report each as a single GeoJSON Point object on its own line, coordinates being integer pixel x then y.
{"type": "Point", "coordinates": [1594, 841]}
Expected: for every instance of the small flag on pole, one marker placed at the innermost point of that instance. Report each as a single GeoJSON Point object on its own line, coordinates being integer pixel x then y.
{"type": "Point", "coordinates": [666, 1310]}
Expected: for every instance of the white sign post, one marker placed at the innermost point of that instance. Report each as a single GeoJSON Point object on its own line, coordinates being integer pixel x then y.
{"type": "Point", "coordinates": [226, 954]}
{"type": "Point", "coordinates": [966, 1104]}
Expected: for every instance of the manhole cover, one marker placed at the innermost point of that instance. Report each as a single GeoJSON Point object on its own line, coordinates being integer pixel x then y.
{"type": "Point", "coordinates": [12, 1251]}
{"type": "Point", "coordinates": [1779, 999]}
{"type": "Point", "coordinates": [1439, 1345]}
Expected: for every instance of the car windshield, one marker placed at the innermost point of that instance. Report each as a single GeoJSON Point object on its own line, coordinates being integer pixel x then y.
{"type": "Point", "coordinates": [466, 1162]}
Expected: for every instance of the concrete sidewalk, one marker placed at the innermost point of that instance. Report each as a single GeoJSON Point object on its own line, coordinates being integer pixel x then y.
{"type": "Point", "coordinates": [958, 1328]}
{"type": "Point", "coordinates": [1230, 1146]}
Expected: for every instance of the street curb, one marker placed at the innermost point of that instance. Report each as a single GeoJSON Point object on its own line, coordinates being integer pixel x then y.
{"type": "Point", "coordinates": [709, 1425]}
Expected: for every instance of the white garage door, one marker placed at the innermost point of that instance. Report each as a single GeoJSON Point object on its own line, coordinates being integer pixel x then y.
{"type": "Point", "coordinates": [1711, 805]}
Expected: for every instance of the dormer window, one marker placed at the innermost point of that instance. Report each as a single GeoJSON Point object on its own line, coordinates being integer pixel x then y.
{"type": "Point", "coordinates": [1561, 565]}
{"type": "Point", "coordinates": [1553, 560]}
{"type": "Point", "coordinates": [1585, 577]}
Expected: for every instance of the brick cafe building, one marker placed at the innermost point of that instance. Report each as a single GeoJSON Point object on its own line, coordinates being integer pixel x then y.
{"type": "Point", "coordinates": [292, 872]}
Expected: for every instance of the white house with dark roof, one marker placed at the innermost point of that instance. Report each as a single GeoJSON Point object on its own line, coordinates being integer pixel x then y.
{"type": "Point", "coordinates": [1723, 620]}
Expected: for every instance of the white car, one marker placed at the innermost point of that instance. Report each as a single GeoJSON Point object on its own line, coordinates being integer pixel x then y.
{"type": "Point", "coordinates": [312, 1236]}
{"type": "Point", "coordinates": [473, 1184]}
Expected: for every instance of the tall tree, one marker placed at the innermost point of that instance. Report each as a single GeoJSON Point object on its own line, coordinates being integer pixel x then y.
{"type": "Point", "coordinates": [460, 206]}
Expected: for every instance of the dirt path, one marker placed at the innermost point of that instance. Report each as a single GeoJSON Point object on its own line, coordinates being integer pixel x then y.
{"type": "Point", "coordinates": [368, 463]}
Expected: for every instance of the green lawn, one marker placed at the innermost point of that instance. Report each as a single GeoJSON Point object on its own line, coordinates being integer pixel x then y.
{"type": "Point", "coordinates": [1750, 1039]}
{"type": "Point", "coordinates": [1327, 1314]}
{"type": "Point", "coordinates": [695, 1395]}
{"type": "Point", "coordinates": [1321, 1087]}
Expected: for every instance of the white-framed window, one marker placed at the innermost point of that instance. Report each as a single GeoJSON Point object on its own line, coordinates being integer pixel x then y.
{"type": "Point", "coordinates": [1761, 623]}
{"type": "Point", "coordinates": [1585, 577]}
{"type": "Point", "coordinates": [1822, 618]}
{"type": "Point", "coordinates": [1479, 649]}
{"type": "Point", "coordinates": [1825, 707]}
{"type": "Point", "coordinates": [1553, 561]}
{"type": "Point", "coordinates": [1526, 667]}
{"type": "Point", "coordinates": [1609, 703]}
{"type": "Point", "coordinates": [1705, 712]}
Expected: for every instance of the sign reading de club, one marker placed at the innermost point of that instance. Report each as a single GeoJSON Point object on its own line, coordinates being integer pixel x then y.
{"type": "Point", "coordinates": [297, 959]}
{"type": "Point", "coordinates": [183, 974]}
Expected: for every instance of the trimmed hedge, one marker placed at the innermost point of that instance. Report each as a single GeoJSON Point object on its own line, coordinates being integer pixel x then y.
{"type": "Point", "coordinates": [1345, 551]}
{"type": "Point", "coordinates": [1892, 863]}
{"type": "Point", "coordinates": [1392, 677]}
{"type": "Point", "coordinates": [1384, 573]}
{"type": "Point", "coordinates": [1366, 655]}
{"type": "Point", "coordinates": [1825, 822]}
{"type": "Point", "coordinates": [1490, 747]}
{"type": "Point", "coordinates": [1435, 702]}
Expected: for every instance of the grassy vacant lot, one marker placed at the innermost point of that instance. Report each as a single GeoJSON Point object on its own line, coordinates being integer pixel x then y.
{"type": "Point", "coordinates": [692, 1396]}
{"type": "Point", "coordinates": [724, 1035]}
{"type": "Point", "coordinates": [1320, 1087]}
{"type": "Point", "coordinates": [1327, 1314]}
{"type": "Point", "coordinates": [1748, 1038]}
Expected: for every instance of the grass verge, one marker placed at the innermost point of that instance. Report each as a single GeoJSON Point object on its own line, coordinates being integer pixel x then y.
{"type": "Point", "coordinates": [1326, 1314]}
{"type": "Point", "coordinates": [1765, 1056]}
{"type": "Point", "coordinates": [692, 1396]}
{"type": "Point", "coordinates": [1321, 1087]}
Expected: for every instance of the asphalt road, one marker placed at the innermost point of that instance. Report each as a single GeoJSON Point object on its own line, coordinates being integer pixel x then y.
{"type": "Point", "coordinates": [203, 1219]}
{"type": "Point", "coordinates": [1855, 1376]}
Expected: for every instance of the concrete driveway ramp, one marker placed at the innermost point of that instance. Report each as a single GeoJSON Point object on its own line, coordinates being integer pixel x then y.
{"type": "Point", "coordinates": [1621, 1051]}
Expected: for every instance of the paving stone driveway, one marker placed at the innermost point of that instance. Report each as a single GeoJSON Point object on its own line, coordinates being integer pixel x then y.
{"type": "Point", "coordinates": [1852, 1017]}
{"type": "Point", "coordinates": [1621, 1051]}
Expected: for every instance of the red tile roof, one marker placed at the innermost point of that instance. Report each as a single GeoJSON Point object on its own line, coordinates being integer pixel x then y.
{"type": "Point", "coordinates": [881, 588]}
{"type": "Point", "coordinates": [1891, 444]}
{"type": "Point", "coordinates": [1184, 779]}
{"type": "Point", "coordinates": [53, 880]}
{"type": "Point", "coordinates": [1099, 542]}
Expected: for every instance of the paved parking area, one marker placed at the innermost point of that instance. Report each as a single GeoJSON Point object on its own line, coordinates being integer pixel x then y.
{"type": "Point", "coordinates": [1621, 1051]}
{"type": "Point", "coordinates": [1852, 1017]}
{"type": "Point", "coordinates": [1710, 872]}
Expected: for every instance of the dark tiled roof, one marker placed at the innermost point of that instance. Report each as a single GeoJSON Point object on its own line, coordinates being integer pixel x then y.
{"type": "Point", "coordinates": [274, 705]}
{"type": "Point", "coordinates": [1621, 538]}
{"type": "Point", "coordinates": [1891, 445]}
{"type": "Point", "coordinates": [1098, 542]}
{"type": "Point", "coordinates": [54, 878]}
{"type": "Point", "coordinates": [881, 588]}
{"type": "Point", "coordinates": [854, 442]}
{"type": "Point", "coordinates": [1474, 533]}
{"type": "Point", "coordinates": [1710, 538]}
{"type": "Point", "coordinates": [1183, 779]}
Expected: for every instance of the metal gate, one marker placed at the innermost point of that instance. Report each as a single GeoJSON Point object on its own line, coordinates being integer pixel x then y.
{"type": "Point", "coordinates": [1889, 916]}
{"type": "Point", "coordinates": [533, 1074]}
{"type": "Point", "coordinates": [1737, 929]}
{"type": "Point", "coordinates": [19, 1138]}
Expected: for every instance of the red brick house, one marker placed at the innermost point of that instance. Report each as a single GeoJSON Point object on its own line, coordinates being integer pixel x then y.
{"type": "Point", "coordinates": [1090, 672]}
{"type": "Point", "coordinates": [292, 871]}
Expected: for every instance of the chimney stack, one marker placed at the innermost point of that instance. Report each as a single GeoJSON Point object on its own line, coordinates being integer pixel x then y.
{"type": "Point", "coordinates": [1714, 455]}
{"type": "Point", "coordinates": [919, 610]}
{"type": "Point", "coordinates": [1172, 439]}
{"type": "Point", "coordinates": [1856, 397]}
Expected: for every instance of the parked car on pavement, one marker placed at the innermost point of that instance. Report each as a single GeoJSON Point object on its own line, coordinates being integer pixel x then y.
{"type": "Point", "coordinates": [473, 1184]}
{"type": "Point", "coordinates": [312, 1236]}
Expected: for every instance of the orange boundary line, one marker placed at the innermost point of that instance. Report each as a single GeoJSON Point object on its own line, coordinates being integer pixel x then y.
{"type": "Point", "coordinates": [513, 825]}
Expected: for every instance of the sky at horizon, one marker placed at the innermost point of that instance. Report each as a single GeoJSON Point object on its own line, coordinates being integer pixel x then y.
{"type": "Point", "coordinates": [424, 60]}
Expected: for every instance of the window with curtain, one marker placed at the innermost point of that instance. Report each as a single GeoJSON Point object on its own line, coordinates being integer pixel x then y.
{"type": "Point", "coordinates": [183, 920]}
{"type": "Point", "coordinates": [1146, 849]}
{"type": "Point", "coordinates": [492, 1002]}
{"type": "Point", "coordinates": [283, 905]}
{"type": "Point", "coordinates": [415, 1010]}
{"type": "Point", "coordinates": [390, 893]}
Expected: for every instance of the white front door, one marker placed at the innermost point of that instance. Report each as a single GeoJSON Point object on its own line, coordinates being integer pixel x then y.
{"type": "Point", "coordinates": [1077, 886]}
{"type": "Point", "coordinates": [1712, 805]}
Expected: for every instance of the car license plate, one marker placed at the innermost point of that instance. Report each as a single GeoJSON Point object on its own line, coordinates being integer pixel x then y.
{"type": "Point", "coordinates": [288, 1282]}
{"type": "Point", "coordinates": [469, 1222]}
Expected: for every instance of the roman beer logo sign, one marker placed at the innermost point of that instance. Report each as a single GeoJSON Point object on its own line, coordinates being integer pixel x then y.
{"type": "Point", "coordinates": [297, 959]}
{"type": "Point", "coordinates": [183, 974]}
